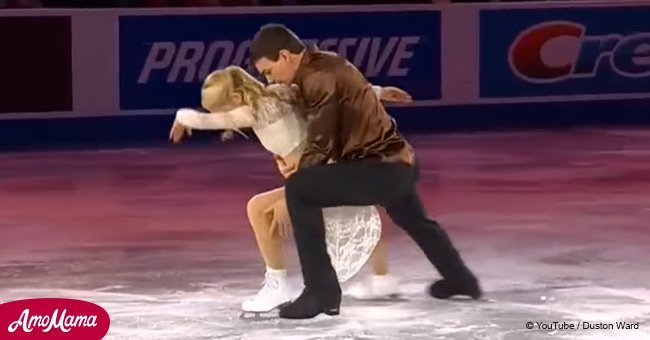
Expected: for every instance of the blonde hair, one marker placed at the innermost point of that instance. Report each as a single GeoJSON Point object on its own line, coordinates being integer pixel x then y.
{"type": "Point", "coordinates": [234, 86]}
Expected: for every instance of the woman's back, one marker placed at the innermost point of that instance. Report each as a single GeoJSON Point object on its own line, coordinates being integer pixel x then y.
{"type": "Point", "coordinates": [280, 126]}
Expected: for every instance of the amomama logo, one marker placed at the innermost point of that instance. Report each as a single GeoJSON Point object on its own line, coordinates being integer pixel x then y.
{"type": "Point", "coordinates": [64, 319]}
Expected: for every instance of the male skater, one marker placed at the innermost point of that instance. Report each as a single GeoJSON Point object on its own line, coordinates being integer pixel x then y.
{"type": "Point", "coordinates": [373, 165]}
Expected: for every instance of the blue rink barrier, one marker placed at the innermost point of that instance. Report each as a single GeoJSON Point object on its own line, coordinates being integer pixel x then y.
{"type": "Point", "coordinates": [143, 130]}
{"type": "Point", "coordinates": [533, 65]}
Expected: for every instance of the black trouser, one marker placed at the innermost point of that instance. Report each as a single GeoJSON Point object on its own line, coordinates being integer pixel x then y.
{"type": "Point", "coordinates": [361, 183]}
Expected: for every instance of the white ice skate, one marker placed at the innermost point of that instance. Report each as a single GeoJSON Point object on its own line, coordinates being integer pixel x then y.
{"type": "Point", "coordinates": [375, 287]}
{"type": "Point", "coordinates": [275, 293]}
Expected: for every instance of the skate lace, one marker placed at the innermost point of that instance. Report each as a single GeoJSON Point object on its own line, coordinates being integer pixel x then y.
{"type": "Point", "coordinates": [270, 283]}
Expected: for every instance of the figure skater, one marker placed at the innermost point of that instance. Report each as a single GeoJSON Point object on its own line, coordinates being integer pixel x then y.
{"type": "Point", "coordinates": [372, 165]}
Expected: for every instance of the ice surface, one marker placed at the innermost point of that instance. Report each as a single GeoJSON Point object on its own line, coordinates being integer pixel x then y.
{"type": "Point", "coordinates": [554, 223]}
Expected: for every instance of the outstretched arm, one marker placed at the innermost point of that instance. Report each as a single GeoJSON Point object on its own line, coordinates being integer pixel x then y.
{"type": "Point", "coordinates": [241, 117]}
{"type": "Point", "coordinates": [188, 119]}
{"type": "Point", "coordinates": [321, 109]}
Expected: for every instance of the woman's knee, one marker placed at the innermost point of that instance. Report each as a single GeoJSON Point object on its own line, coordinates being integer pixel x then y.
{"type": "Point", "coordinates": [260, 203]}
{"type": "Point", "coordinates": [255, 206]}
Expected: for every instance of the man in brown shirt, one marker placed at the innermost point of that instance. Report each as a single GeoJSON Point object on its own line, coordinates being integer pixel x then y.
{"type": "Point", "coordinates": [373, 165]}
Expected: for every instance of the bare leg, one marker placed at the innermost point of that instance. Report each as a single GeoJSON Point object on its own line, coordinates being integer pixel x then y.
{"type": "Point", "coordinates": [269, 244]}
{"type": "Point", "coordinates": [379, 255]}
{"type": "Point", "coordinates": [276, 290]}
{"type": "Point", "coordinates": [380, 284]}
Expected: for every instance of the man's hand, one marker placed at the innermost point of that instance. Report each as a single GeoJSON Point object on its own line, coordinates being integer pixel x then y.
{"type": "Point", "coordinates": [177, 132]}
{"type": "Point", "coordinates": [281, 222]}
{"type": "Point", "coordinates": [395, 95]}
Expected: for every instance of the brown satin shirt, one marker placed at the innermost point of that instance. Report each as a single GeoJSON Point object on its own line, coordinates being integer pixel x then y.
{"type": "Point", "coordinates": [346, 120]}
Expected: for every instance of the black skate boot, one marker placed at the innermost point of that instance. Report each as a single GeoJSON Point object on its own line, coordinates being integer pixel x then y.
{"type": "Point", "coordinates": [311, 303]}
{"type": "Point", "coordinates": [466, 285]}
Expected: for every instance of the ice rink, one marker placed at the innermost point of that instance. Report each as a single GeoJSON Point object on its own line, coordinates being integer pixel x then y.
{"type": "Point", "coordinates": [555, 224]}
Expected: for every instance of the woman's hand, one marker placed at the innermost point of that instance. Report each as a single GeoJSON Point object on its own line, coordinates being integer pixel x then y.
{"type": "Point", "coordinates": [227, 135]}
{"type": "Point", "coordinates": [281, 221]}
{"type": "Point", "coordinates": [178, 131]}
{"type": "Point", "coordinates": [394, 94]}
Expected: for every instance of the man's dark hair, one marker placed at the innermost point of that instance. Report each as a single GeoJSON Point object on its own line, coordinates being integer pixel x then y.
{"type": "Point", "coordinates": [270, 39]}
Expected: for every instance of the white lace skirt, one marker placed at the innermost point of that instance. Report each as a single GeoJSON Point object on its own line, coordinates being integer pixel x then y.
{"type": "Point", "coordinates": [351, 234]}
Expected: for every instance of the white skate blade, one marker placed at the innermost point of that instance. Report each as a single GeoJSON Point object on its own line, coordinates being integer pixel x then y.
{"type": "Point", "coordinates": [261, 316]}
{"type": "Point", "coordinates": [257, 316]}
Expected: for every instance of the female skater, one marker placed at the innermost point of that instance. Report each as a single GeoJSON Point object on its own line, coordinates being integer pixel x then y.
{"type": "Point", "coordinates": [237, 100]}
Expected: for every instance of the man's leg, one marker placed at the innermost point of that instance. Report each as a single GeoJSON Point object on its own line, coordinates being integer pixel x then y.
{"type": "Point", "coordinates": [393, 186]}
{"type": "Point", "coordinates": [408, 213]}
{"type": "Point", "coordinates": [366, 183]}
{"type": "Point", "coordinates": [343, 184]}
{"type": "Point", "coordinates": [307, 192]}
